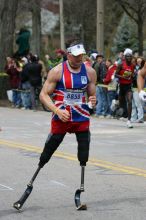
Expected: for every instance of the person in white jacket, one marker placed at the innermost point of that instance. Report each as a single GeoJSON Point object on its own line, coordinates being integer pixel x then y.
{"type": "Point", "coordinates": [137, 107]}
{"type": "Point", "coordinates": [141, 82]}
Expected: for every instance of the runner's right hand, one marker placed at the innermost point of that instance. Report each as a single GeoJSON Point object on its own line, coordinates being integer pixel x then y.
{"type": "Point", "coordinates": [63, 114]}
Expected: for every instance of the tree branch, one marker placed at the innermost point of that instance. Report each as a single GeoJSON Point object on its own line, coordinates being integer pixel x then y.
{"type": "Point", "coordinates": [126, 5]}
{"type": "Point", "coordinates": [143, 10]}
{"type": "Point", "coordinates": [128, 13]}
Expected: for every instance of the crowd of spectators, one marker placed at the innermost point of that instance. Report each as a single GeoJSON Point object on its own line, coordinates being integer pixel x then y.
{"type": "Point", "coordinates": [27, 75]}
{"type": "Point", "coordinates": [116, 92]}
{"type": "Point", "coordinates": [117, 95]}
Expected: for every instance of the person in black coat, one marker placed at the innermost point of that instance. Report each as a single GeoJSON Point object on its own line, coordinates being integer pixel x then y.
{"type": "Point", "coordinates": [34, 75]}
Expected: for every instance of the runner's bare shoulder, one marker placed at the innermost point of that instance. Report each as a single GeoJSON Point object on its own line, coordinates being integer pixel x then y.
{"type": "Point", "coordinates": [91, 73]}
{"type": "Point", "coordinates": [55, 73]}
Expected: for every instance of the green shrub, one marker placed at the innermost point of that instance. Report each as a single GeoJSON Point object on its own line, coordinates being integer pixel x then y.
{"type": "Point", "coordinates": [3, 74]}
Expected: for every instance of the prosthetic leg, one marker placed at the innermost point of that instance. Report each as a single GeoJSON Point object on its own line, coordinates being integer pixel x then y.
{"type": "Point", "coordinates": [17, 205]}
{"type": "Point", "coordinates": [52, 143]}
{"type": "Point", "coordinates": [83, 154]}
{"type": "Point", "coordinates": [78, 204]}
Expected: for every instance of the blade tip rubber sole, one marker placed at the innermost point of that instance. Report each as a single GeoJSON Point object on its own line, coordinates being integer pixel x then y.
{"type": "Point", "coordinates": [82, 207]}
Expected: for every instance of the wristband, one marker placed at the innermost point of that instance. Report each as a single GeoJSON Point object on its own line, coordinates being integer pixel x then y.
{"type": "Point", "coordinates": [56, 110]}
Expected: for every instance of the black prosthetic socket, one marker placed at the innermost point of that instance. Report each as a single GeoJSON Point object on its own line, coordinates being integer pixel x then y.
{"type": "Point", "coordinates": [52, 143]}
{"type": "Point", "coordinates": [83, 139]}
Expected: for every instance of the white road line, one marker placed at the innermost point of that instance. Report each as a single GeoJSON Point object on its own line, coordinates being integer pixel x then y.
{"type": "Point", "coordinates": [4, 187]}
{"type": "Point", "coordinates": [57, 183]}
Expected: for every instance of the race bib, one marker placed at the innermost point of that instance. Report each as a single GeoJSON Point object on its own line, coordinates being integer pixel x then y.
{"type": "Point", "coordinates": [127, 73]}
{"type": "Point", "coordinates": [73, 98]}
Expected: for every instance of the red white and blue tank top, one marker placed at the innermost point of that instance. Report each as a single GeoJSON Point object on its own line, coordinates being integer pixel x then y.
{"type": "Point", "coordinates": [70, 94]}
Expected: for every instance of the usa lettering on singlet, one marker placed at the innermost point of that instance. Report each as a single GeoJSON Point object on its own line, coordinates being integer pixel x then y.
{"type": "Point", "coordinates": [70, 94]}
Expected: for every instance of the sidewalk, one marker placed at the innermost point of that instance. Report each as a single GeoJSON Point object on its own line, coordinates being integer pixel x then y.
{"type": "Point", "coordinates": [7, 103]}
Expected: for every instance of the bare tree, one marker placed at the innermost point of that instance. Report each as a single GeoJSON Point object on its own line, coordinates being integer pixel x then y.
{"type": "Point", "coordinates": [34, 7]}
{"type": "Point", "coordinates": [136, 10]}
{"type": "Point", "coordinates": [7, 26]}
{"type": "Point", "coordinates": [36, 26]}
{"type": "Point", "coordinates": [80, 19]}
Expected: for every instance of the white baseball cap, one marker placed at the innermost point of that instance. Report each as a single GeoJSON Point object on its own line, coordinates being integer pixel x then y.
{"type": "Point", "coordinates": [25, 60]}
{"type": "Point", "coordinates": [93, 55]}
{"type": "Point", "coordinates": [76, 50]}
{"type": "Point", "coordinates": [127, 51]}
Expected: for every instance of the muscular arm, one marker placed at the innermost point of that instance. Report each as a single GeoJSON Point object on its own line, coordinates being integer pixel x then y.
{"type": "Point", "coordinates": [141, 78]}
{"type": "Point", "coordinates": [48, 88]}
{"type": "Point", "coordinates": [91, 88]}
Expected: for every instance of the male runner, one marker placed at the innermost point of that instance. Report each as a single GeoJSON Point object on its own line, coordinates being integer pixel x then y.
{"type": "Point", "coordinates": [125, 72]}
{"type": "Point", "coordinates": [69, 82]}
{"type": "Point", "coordinates": [72, 85]}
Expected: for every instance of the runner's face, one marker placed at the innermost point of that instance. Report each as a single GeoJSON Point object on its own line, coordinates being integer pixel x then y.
{"type": "Point", "coordinates": [75, 61]}
{"type": "Point", "coordinates": [128, 58]}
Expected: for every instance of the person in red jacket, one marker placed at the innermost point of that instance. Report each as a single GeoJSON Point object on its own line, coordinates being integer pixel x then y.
{"type": "Point", "coordinates": [111, 82]}
{"type": "Point", "coordinates": [125, 73]}
{"type": "Point", "coordinates": [13, 69]}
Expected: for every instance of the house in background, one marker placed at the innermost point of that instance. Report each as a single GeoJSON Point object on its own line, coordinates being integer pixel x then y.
{"type": "Point", "coordinates": [50, 30]}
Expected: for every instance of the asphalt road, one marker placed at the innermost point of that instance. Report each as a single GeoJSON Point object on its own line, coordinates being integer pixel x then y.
{"type": "Point", "coordinates": [115, 176]}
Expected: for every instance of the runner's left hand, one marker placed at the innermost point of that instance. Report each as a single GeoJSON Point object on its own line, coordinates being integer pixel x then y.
{"type": "Point", "coordinates": [92, 100]}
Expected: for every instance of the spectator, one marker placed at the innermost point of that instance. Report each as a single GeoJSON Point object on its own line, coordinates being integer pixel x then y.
{"type": "Point", "coordinates": [23, 42]}
{"type": "Point", "coordinates": [44, 71]}
{"type": "Point", "coordinates": [111, 82]}
{"type": "Point", "coordinates": [48, 63]}
{"type": "Point", "coordinates": [137, 108]}
{"type": "Point", "coordinates": [60, 56]}
{"type": "Point", "coordinates": [101, 92]}
{"type": "Point", "coordinates": [120, 57]}
{"type": "Point", "coordinates": [25, 85]}
{"type": "Point", "coordinates": [13, 69]}
{"type": "Point", "coordinates": [34, 72]}
{"type": "Point", "coordinates": [87, 61]}
{"type": "Point", "coordinates": [93, 58]}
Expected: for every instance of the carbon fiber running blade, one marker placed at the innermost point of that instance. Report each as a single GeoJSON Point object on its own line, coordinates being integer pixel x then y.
{"type": "Point", "coordinates": [78, 204]}
{"type": "Point", "coordinates": [17, 205]}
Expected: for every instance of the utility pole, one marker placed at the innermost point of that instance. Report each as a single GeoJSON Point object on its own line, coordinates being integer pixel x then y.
{"type": "Point", "coordinates": [61, 25]}
{"type": "Point", "coordinates": [100, 26]}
